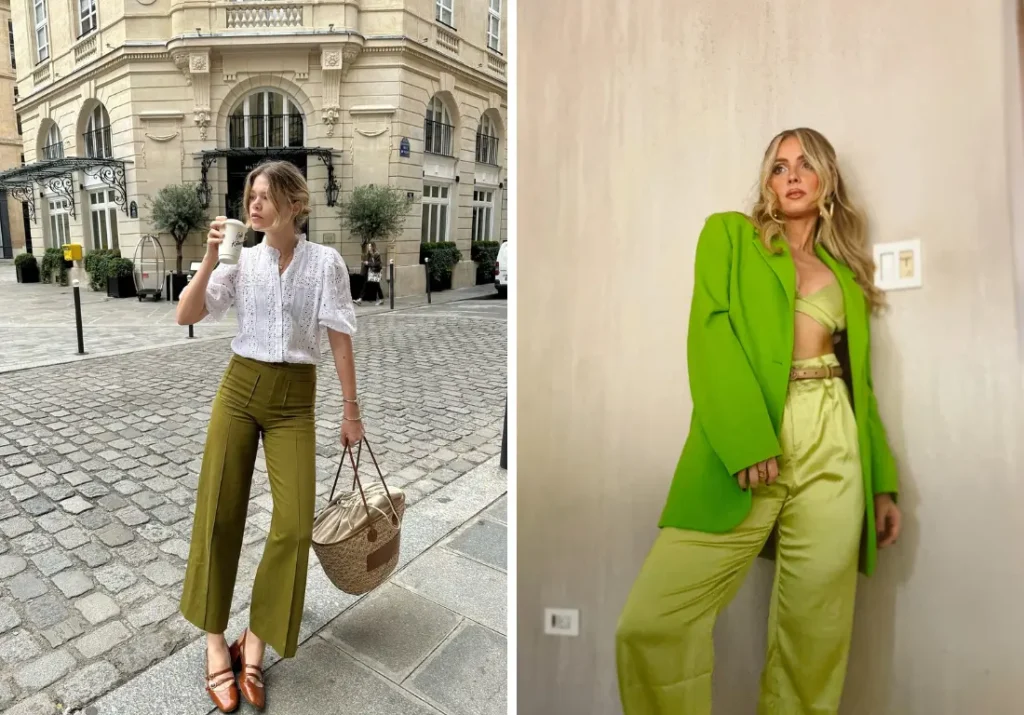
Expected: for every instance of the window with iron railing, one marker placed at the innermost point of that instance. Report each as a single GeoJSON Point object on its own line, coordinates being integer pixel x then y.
{"type": "Point", "coordinates": [438, 138]}
{"type": "Point", "coordinates": [97, 134]}
{"type": "Point", "coordinates": [53, 151]}
{"type": "Point", "coordinates": [486, 142]}
{"type": "Point", "coordinates": [266, 119]}
{"type": "Point", "coordinates": [438, 130]}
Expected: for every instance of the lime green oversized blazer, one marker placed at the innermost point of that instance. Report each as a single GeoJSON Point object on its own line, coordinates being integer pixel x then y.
{"type": "Point", "coordinates": [739, 353]}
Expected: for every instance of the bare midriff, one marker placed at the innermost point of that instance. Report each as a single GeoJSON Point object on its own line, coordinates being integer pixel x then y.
{"type": "Point", "coordinates": [810, 338]}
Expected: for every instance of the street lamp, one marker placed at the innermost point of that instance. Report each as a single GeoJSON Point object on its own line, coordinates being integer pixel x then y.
{"type": "Point", "coordinates": [203, 191]}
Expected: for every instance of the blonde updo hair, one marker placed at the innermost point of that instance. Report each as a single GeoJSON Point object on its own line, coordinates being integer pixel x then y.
{"type": "Point", "coordinates": [841, 227]}
{"type": "Point", "coordinates": [288, 192]}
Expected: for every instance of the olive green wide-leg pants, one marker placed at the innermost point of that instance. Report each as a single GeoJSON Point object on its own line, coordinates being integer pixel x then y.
{"type": "Point", "coordinates": [276, 401]}
{"type": "Point", "coordinates": [664, 641]}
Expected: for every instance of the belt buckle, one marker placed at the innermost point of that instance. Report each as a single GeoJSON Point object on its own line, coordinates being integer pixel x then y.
{"type": "Point", "coordinates": [828, 372]}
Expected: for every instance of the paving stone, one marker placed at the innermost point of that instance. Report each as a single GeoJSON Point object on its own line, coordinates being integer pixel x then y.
{"type": "Point", "coordinates": [132, 516]}
{"type": "Point", "coordinates": [87, 684]}
{"type": "Point", "coordinates": [43, 481]}
{"type": "Point", "coordinates": [126, 487]}
{"type": "Point", "coordinates": [18, 647]}
{"type": "Point", "coordinates": [97, 607]}
{"type": "Point", "coordinates": [102, 639]}
{"type": "Point", "coordinates": [11, 565]}
{"type": "Point", "coordinates": [178, 547]}
{"type": "Point", "coordinates": [39, 704]}
{"type": "Point", "coordinates": [152, 611]}
{"type": "Point", "coordinates": [16, 527]}
{"type": "Point", "coordinates": [468, 674]}
{"type": "Point", "coordinates": [7, 509]}
{"type": "Point", "coordinates": [163, 574]}
{"type": "Point", "coordinates": [115, 577]}
{"type": "Point", "coordinates": [51, 562]}
{"type": "Point", "coordinates": [9, 617]}
{"type": "Point", "coordinates": [59, 493]}
{"type": "Point", "coordinates": [54, 522]}
{"type": "Point", "coordinates": [9, 481]}
{"type": "Point", "coordinates": [94, 519]}
{"type": "Point", "coordinates": [170, 513]}
{"type": "Point", "coordinates": [37, 506]}
{"type": "Point", "coordinates": [73, 583]}
{"type": "Point", "coordinates": [136, 594]}
{"type": "Point", "coordinates": [23, 493]}
{"type": "Point", "coordinates": [112, 502]}
{"type": "Point", "coordinates": [30, 470]}
{"type": "Point", "coordinates": [92, 490]}
{"type": "Point", "coordinates": [72, 538]}
{"type": "Point", "coordinates": [92, 554]}
{"type": "Point", "coordinates": [45, 670]}
{"type": "Point", "coordinates": [115, 535]}
{"type": "Point", "coordinates": [138, 553]}
{"type": "Point", "coordinates": [76, 478]}
{"type": "Point", "coordinates": [26, 586]}
{"type": "Point", "coordinates": [46, 611]}
{"type": "Point", "coordinates": [64, 631]}
{"type": "Point", "coordinates": [141, 651]}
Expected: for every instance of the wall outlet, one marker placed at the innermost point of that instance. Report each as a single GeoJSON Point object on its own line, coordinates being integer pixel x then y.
{"type": "Point", "coordinates": [561, 621]}
{"type": "Point", "coordinates": [898, 265]}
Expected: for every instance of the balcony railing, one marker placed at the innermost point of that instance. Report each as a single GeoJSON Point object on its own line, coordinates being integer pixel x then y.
{"type": "Point", "coordinates": [438, 138]}
{"type": "Point", "coordinates": [265, 130]}
{"type": "Point", "coordinates": [446, 40]}
{"type": "Point", "coordinates": [87, 45]}
{"type": "Point", "coordinates": [258, 15]}
{"type": "Point", "coordinates": [486, 149]}
{"type": "Point", "coordinates": [97, 143]}
{"type": "Point", "coordinates": [496, 65]}
{"type": "Point", "coordinates": [53, 151]}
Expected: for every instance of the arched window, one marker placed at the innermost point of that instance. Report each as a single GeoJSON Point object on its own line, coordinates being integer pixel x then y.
{"type": "Point", "coordinates": [438, 129]}
{"type": "Point", "coordinates": [266, 119]}
{"type": "Point", "coordinates": [486, 142]}
{"type": "Point", "coordinates": [53, 147]}
{"type": "Point", "coordinates": [97, 134]}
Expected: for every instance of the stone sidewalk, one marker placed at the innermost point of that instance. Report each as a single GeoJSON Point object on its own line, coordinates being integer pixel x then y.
{"type": "Point", "coordinates": [430, 641]}
{"type": "Point", "coordinates": [37, 322]}
{"type": "Point", "coordinates": [97, 487]}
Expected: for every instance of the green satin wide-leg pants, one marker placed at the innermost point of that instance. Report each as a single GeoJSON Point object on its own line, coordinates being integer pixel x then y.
{"type": "Point", "coordinates": [276, 401]}
{"type": "Point", "coordinates": [664, 641]}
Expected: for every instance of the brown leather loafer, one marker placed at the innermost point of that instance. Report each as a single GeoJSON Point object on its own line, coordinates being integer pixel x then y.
{"type": "Point", "coordinates": [222, 689]}
{"type": "Point", "coordinates": [250, 677]}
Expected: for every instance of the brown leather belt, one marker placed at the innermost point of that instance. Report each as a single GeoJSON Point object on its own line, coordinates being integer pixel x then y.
{"type": "Point", "coordinates": [815, 373]}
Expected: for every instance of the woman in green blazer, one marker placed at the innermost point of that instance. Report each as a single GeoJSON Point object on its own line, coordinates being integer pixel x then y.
{"type": "Point", "coordinates": [786, 453]}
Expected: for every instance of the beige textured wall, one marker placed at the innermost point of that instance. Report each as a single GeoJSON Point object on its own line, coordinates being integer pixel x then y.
{"type": "Point", "coordinates": [657, 116]}
{"type": "Point", "coordinates": [10, 142]}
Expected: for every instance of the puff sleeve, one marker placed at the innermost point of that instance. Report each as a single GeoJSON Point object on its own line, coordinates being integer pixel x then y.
{"type": "Point", "coordinates": [336, 309]}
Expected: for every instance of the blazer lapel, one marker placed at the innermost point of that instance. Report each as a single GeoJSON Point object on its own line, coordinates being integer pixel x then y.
{"type": "Point", "coordinates": [782, 264]}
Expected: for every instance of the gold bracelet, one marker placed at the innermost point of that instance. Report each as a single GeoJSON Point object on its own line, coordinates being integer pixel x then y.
{"type": "Point", "coordinates": [352, 419]}
{"type": "Point", "coordinates": [353, 402]}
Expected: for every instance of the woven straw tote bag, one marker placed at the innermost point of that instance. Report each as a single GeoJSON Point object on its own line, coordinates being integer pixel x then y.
{"type": "Point", "coordinates": [357, 535]}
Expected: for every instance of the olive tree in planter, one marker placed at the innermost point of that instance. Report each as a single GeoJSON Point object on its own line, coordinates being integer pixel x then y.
{"type": "Point", "coordinates": [27, 268]}
{"type": "Point", "coordinates": [177, 210]}
{"type": "Point", "coordinates": [120, 277]}
{"type": "Point", "coordinates": [375, 214]}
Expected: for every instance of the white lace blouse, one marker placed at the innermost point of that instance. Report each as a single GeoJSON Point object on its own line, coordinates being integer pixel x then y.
{"type": "Point", "coordinates": [282, 316]}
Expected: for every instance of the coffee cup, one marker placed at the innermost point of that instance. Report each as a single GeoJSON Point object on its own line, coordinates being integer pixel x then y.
{"type": "Point", "coordinates": [234, 238]}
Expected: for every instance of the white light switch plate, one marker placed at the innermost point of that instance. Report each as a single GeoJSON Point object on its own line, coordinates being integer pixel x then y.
{"type": "Point", "coordinates": [561, 621]}
{"type": "Point", "coordinates": [898, 264]}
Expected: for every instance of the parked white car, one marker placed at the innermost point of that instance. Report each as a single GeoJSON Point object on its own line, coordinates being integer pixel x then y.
{"type": "Point", "coordinates": [501, 268]}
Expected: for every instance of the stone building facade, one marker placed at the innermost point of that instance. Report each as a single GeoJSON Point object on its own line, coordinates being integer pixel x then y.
{"type": "Point", "coordinates": [12, 223]}
{"type": "Point", "coordinates": [126, 96]}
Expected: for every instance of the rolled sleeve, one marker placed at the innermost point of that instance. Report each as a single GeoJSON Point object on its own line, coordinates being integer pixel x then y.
{"type": "Point", "coordinates": [336, 309]}
{"type": "Point", "coordinates": [220, 291]}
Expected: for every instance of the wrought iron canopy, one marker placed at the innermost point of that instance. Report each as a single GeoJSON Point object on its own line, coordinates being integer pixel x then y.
{"type": "Point", "coordinates": [326, 156]}
{"type": "Point", "coordinates": [56, 175]}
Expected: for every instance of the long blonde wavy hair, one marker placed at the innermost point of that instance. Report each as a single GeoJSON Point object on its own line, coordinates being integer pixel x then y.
{"type": "Point", "coordinates": [841, 227]}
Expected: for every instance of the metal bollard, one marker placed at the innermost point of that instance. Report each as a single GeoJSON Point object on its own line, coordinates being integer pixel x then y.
{"type": "Point", "coordinates": [426, 262]}
{"type": "Point", "coordinates": [391, 282]}
{"type": "Point", "coordinates": [191, 334]}
{"type": "Point", "coordinates": [504, 438]}
{"type": "Point", "coordinates": [78, 317]}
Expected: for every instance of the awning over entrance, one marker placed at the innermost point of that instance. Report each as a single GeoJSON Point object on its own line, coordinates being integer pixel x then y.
{"type": "Point", "coordinates": [56, 175]}
{"type": "Point", "coordinates": [326, 156]}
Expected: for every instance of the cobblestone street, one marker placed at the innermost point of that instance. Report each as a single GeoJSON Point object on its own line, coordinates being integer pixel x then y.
{"type": "Point", "coordinates": [99, 463]}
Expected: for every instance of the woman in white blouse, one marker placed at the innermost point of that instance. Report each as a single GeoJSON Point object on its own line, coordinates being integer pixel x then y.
{"type": "Point", "coordinates": [287, 293]}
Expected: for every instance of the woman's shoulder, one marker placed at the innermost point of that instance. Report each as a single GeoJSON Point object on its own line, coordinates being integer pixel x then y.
{"type": "Point", "coordinates": [327, 256]}
{"type": "Point", "coordinates": [736, 220]}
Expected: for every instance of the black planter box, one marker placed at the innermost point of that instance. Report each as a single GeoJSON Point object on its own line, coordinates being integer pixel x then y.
{"type": "Point", "coordinates": [120, 287]}
{"type": "Point", "coordinates": [176, 283]}
{"type": "Point", "coordinates": [27, 272]}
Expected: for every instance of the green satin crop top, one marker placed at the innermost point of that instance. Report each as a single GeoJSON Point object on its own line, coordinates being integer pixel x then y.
{"type": "Point", "coordinates": [825, 306]}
